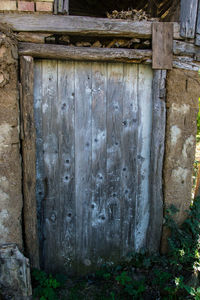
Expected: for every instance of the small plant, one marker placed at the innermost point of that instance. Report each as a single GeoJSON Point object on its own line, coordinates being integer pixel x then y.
{"type": "Point", "coordinates": [46, 285]}
{"type": "Point", "coordinates": [131, 287]}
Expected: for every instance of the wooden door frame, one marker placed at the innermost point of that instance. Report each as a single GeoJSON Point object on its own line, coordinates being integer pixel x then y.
{"type": "Point", "coordinates": [28, 52]}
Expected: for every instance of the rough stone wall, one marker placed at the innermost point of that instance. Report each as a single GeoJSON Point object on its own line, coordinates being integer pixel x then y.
{"type": "Point", "coordinates": [183, 91]}
{"type": "Point", "coordinates": [10, 164]}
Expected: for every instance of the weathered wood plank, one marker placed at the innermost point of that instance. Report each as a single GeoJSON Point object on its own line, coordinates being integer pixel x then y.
{"type": "Point", "coordinates": [83, 163]}
{"type": "Point", "coordinates": [106, 54]}
{"type": "Point", "coordinates": [81, 25]}
{"type": "Point", "coordinates": [114, 128]}
{"type": "Point", "coordinates": [99, 220]}
{"type": "Point", "coordinates": [186, 63]}
{"type": "Point", "coordinates": [98, 159]}
{"type": "Point", "coordinates": [184, 48]}
{"type": "Point", "coordinates": [156, 161]}
{"type": "Point", "coordinates": [66, 137]}
{"type": "Point", "coordinates": [66, 7]}
{"type": "Point", "coordinates": [55, 7]}
{"type": "Point", "coordinates": [198, 27]}
{"type": "Point", "coordinates": [40, 182]}
{"type": "Point", "coordinates": [142, 212]}
{"type": "Point", "coordinates": [82, 53]}
{"type": "Point", "coordinates": [60, 6]}
{"type": "Point", "coordinates": [162, 45]}
{"type": "Point", "coordinates": [28, 156]}
{"type": "Point", "coordinates": [188, 18]}
{"type": "Point", "coordinates": [51, 213]}
{"type": "Point", "coordinates": [197, 40]}
{"type": "Point", "coordinates": [129, 139]}
{"type": "Point", "coordinates": [32, 37]}
{"type": "Point", "coordinates": [98, 54]}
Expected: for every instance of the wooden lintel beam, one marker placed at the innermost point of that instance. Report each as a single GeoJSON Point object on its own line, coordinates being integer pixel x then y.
{"type": "Point", "coordinates": [81, 25]}
{"type": "Point", "coordinates": [108, 54]}
{"type": "Point", "coordinates": [81, 53]}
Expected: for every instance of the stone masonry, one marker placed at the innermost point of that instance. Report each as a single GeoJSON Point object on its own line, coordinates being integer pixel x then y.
{"type": "Point", "coordinates": [10, 162]}
{"type": "Point", "coordinates": [183, 91]}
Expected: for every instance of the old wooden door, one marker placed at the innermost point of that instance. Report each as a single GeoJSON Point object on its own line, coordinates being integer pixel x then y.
{"type": "Point", "coordinates": [94, 126]}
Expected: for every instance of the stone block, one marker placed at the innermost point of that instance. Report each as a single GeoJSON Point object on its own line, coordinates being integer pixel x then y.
{"type": "Point", "coordinates": [26, 6]}
{"type": "Point", "coordinates": [44, 6]}
{"type": "Point", "coordinates": [15, 279]}
{"type": "Point", "coordinates": [8, 5]}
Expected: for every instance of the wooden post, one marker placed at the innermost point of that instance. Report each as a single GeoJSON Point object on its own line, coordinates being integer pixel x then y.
{"type": "Point", "coordinates": [28, 156]}
{"type": "Point", "coordinates": [156, 160]}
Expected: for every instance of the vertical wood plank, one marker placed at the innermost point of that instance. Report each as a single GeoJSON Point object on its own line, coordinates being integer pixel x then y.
{"type": "Point", "coordinates": [156, 161]}
{"type": "Point", "coordinates": [114, 128]}
{"type": "Point", "coordinates": [66, 7]}
{"type": "Point", "coordinates": [60, 6]}
{"type": "Point", "coordinates": [40, 193]}
{"type": "Point", "coordinates": [28, 156]}
{"type": "Point", "coordinates": [99, 220]}
{"type": "Point", "coordinates": [197, 41]}
{"type": "Point", "coordinates": [55, 7]}
{"type": "Point", "coordinates": [188, 18]}
{"type": "Point", "coordinates": [51, 250]}
{"type": "Point", "coordinates": [66, 207]}
{"type": "Point", "coordinates": [142, 212]}
{"type": "Point", "coordinates": [162, 45]}
{"type": "Point", "coordinates": [83, 152]}
{"type": "Point", "coordinates": [129, 157]}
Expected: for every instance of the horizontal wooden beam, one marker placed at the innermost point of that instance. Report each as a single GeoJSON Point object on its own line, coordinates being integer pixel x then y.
{"type": "Point", "coordinates": [82, 53]}
{"type": "Point", "coordinates": [81, 25]}
{"type": "Point", "coordinates": [50, 51]}
{"type": "Point", "coordinates": [184, 48]}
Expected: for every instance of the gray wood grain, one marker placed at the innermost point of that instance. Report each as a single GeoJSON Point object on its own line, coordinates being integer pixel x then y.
{"type": "Point", "coordinates": [188, 18]}
{"type": "Point", "coordinates": [129, 170]}
{"type": "Point", "coordinates": [184, 48]}
{"type": "Point", "coordinates": [83, 162]}
{"type": "Point", "coordinates": [82, 53]}
{"type": "Point", "coordinates": [99, 219]}
{"type": "Point", "coordinates": [66, 140]}
{"type": "Point", "coordinates": [142, 212]}
{"type": "Point", "coordinates": [96, 128]}
{"type": "Point", "coordinates": [198, 27]}
{"type": "Point", "coordinates": [40, 191]}
{"type": "Point", "coordinates": [66, 7]}
{"type": "Point", "coordinates": [28, 157]}
{"type": "Point", "coordinates": [55, 7]}
{"type": "Point", "coordinates": [51, 249]}
{"type": "Point", "coordinates": [156, 161]}
{"type": "Point", "coordinates": [114, 130]}
{"type": "Point", "coordinates": [82, 25]}
{"type": "Point", "coordinates": [99, 54]}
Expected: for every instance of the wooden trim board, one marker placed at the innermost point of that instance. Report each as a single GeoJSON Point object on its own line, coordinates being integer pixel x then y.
{"type": "Point", "coordinates": [162, 46]}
